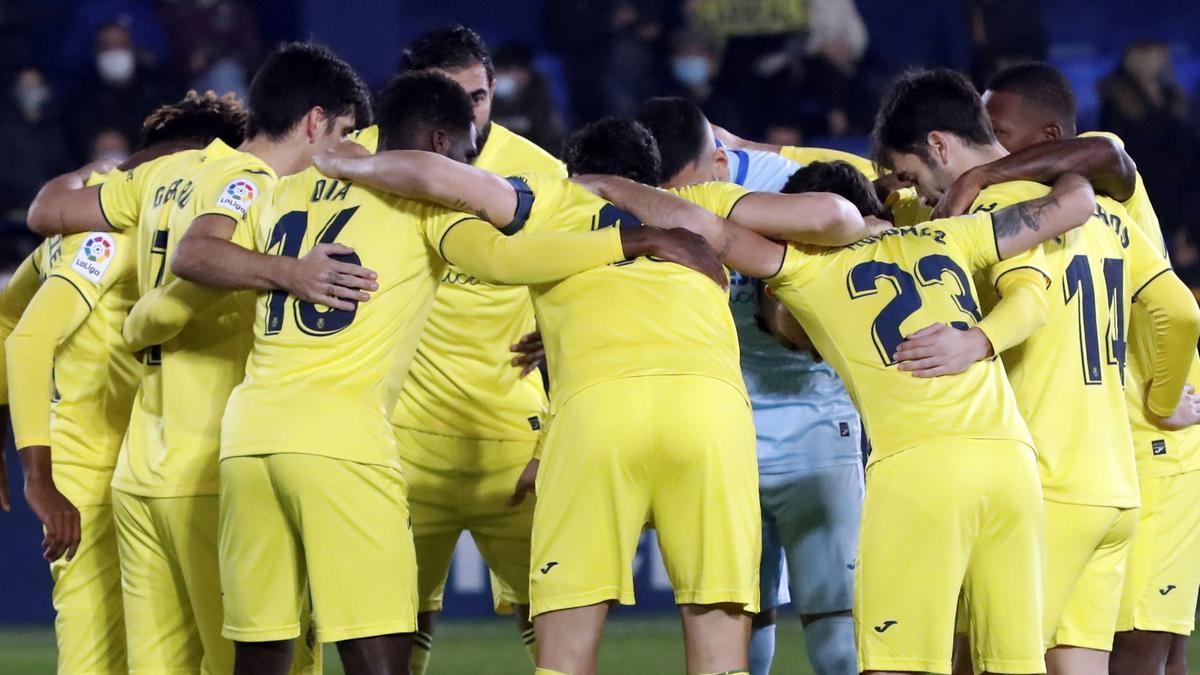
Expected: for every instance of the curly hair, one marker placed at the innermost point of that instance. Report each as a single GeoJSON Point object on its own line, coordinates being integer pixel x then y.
{"type": "Point", "coordinates": [196, 119]}
{"type": "Point", "coordinates": [616, 147]}
{"type": "Point", "coordinates": [414, 102]}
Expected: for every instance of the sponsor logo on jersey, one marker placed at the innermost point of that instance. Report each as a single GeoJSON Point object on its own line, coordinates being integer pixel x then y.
{"type": "Point", "coordinates": [238, 195]}
{"type": "Point", "coordinates": [94, 257]}
{"type": "Point", "coordinates": [1158, 447]}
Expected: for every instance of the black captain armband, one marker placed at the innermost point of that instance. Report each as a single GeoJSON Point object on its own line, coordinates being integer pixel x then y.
{"type": "Point", "coordinates": [524, 206]}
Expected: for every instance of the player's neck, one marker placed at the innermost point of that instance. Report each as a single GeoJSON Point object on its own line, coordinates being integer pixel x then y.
{"type": "Point", "coordinates": [284, 157]}
{"type": "Point", "coordinates": [984, 154]}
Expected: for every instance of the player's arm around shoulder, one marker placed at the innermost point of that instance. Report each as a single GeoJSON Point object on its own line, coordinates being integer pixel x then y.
{"type": "Point", "coordinates": [207, 255]}
{"type": "Point", "coordinates": [815, 218]}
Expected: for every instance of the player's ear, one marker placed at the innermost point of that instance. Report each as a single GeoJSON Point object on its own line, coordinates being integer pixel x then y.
{"type": "Point", "coordinates": [939, 147]}
{"type": "Point", "coordinates": [720, 165]}
{"type": "Point", "coordinates": [439, 141]}
{"type": "Point", "coordinates": [315, 124]}
{"type": "Point", "coordinates": [1052, 132]}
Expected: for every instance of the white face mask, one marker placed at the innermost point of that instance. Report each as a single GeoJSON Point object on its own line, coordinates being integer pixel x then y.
{"type": "Point", "coordinates": [115, 65]}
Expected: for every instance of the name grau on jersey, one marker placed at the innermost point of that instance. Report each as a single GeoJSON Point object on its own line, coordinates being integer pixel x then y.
{"type": "Point", "coordinates": [178, 191]}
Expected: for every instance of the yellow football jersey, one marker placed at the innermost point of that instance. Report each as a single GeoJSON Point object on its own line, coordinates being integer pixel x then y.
{"type": "Point", "coordinates": [462, 382]}
{"type": "Point", "coordinates": [335, 374]}
{"type": "Point", "coordinates": [858, 302]}
{"type": "Point", "coordinates": [173, 440]}
{"type": "Point", "coordinates": [1159, 452]}
{"type": "Point", "coordinates": [804, 156]}
{"type": "Point", "coordinates": [1069, 375]}
{"type": "Point", "coordinates": [907, 208]}
{"type": "Point", "coordinates": [95, 377]}
{"type": "Point", "coordinates": [630, 319]}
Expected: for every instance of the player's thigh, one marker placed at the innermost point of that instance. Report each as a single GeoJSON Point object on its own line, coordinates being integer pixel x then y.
{"type": "Point", "coordinates": [1090, 616]}
{"type": "Point", "coordinates": [1163, 570]}
{"type": "Point", "coordinates": [818, 522]}
{"type": "Point", "coordinates": [261, 564]}
{"type": "Point", "coordinates": [435, 507]}
{"type": "Point", "coordinates": [1074, 532]}
{"type": "Point", "coordinates": [593, 497]}
{"type": "Point", "coordinates": [351, 517]}
{"type": "Point", "coordinates": [503, 532]}
{"type": "Point", "coordinates": [925, 512]}
{"type": "Point", "coordinates": [1003, 590]}
{"type": "Point", "coordinates": [705, 491]}
{"type": "Point", "coordinates": [161, 634]}
{"type": "Point", "coordinates": [89, 623]}
{"type": "Point", "coordinates": [773, 589]}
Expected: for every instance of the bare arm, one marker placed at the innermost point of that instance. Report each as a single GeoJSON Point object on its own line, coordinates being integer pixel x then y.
{"type": "Point", "coordinates": [736, 246]}
{"type": "Point", "coordinates": [425, 175]}
{"type": "Point", "coordinates": [1101, 160]}
{"type": "Point", "coordinates": [206, 256]}
{"type": "Point", "coordinates": [817, 218]}
{"type": "Point", "coordinates": [1026, 224]}
{"type": "Point", "coordinates": [65, 206]}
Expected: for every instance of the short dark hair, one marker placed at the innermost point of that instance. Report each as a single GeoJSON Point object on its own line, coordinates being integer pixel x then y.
{"type": "Point", "coordinates": [840, 178]}
{"type": "Point", "coordinates": [614, 146]}
{"type": "Point", "coordinates": [447, 48]}
{"type": "Point", "coordinates": [922, 101]}
{"type": "Point", "coordinates": [679, 127]}
{"type": "Point", "coordinates": [298, 77]}
{"type": "Point", "coordinates": [197, 119]}
{"type": "Point", "coordinates": [413, 103]}
{"type": "Point", "coordinates": [1041, 84]}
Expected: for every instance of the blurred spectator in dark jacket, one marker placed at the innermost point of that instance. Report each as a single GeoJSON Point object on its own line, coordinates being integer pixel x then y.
{"type": "Point", "coordinates": [122, 90]}
{"type": "Point", "coordinates": [139, 18]}
{"type": "Point", "coordinates": [25, 30]}
{"type": "Point", "coordinates": [610, 51]}
{"type": "Point", "coordinates": [1004, 33]}
{"type": "Point", "coordinates": [694, 65]}
{"type": "Point", "coordinates": [215, 44]}
{"type": "Point", "coordinates": [522, 100]}
{"type": "Point", "coordinates": [33, 147]}
{"type": "Point", "coordinates": [1143, 104]}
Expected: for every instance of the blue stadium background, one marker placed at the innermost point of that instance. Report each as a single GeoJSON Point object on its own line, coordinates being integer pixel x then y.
{"type": "Point", "coordinates": [1083, 37]}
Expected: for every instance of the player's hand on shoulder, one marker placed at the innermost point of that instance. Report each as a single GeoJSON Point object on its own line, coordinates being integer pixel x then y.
{"type": "Point", "coordinates": [330, 162]}
{"type": "Point", "coordinates": [678, 246]}
{"type": "Point", "coordinates": [530, 352]}
{"type": "Point", "coordinates": [941, 349]}
{"type": "Point", "coordinates": [321, 278]}
{"type": "Point", "coordinates": [961, 195]}
{"type": "Point", "coordinates": [58, 516]}
{"type": "Point", "coordinates": [525, 483]}
{"type": "Point", "coordinates": [1187, 413]}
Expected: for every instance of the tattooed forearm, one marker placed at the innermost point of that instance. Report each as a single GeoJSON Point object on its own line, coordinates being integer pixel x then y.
{"type": "Point", "coordinates": [1010, 220]}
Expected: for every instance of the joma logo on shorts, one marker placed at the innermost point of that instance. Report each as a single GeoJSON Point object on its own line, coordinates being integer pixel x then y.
{"type": "Point", "coordinates": [1168, 589]}
{"type": "Point", "coordinates": [886, 625]}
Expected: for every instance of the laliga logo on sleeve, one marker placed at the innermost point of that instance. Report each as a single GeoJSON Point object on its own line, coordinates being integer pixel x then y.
{"type": "Point", "coordinates": [238, 195]}
{"type": "Point", "coordinates": [94, 257]}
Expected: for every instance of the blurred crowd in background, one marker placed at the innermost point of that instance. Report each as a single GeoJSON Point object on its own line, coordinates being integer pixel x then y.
{"type": "Point", "coordinates": [79, 76]}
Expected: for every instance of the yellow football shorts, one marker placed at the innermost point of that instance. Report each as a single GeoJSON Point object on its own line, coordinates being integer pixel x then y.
{"type": "Point", "coordinates": [464, 484]}
{"type": "Point", "coordinates": [1086, 552]}
{"type": "Point", "coordinates": [168, 552]}
{"type": "Point", "coordinates": [89, 622]}
{"type": "Point", "coordinates": [1163, 573]}
{"type": "Point", "coordinates": [675, 449]}
{"type": "Point", "coordinates": [293, 524]}
{"type": "Point", "coordinates": [940, 521]}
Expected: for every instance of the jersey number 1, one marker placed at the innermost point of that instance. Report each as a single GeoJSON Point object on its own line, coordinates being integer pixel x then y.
{"type": "Point", "coordinates": [287, 237]}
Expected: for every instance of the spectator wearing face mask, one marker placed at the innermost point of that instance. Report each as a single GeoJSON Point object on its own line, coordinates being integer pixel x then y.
{"type": "Point", "coordinates": [33, 148]}
{"type": "Point", "coordinates": [522, 100]}
{"type": "Point", "coordinates": [121, 91]}
{"type": "Point", "coordinates": [694, 64]}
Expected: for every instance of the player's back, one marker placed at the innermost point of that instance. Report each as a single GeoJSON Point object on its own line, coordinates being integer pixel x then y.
{"type": "Point", "coordinates": [1069, 376]}
{"type": "Point", "coordinates": [636, 318]}
{"type": "Point", "coordinates": [335, 375]}
{"type": "Point", "coordinates": [858, 302]}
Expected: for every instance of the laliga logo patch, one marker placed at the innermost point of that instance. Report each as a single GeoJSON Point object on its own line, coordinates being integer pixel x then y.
{"type": "Point", "coordinates": [94, 256]}
{"type": "Point", "coordinates": [238, 195]}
